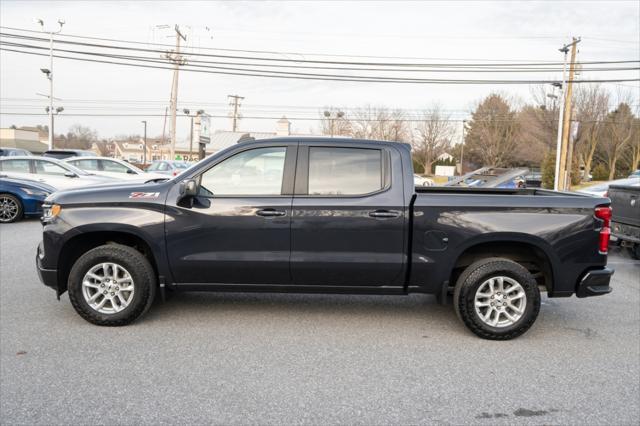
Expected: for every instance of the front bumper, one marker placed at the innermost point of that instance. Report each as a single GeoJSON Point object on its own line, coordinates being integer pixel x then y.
{"type": "Point", "coordinates": [49, 277]}
{"type": "Point", "coordinates": [595, 283]}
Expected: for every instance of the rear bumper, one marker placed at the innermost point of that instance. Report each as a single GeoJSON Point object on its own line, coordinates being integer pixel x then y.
{"type": "Point", "coordinates": [625, 232]}
{"type": "Point", "coordinates": [49, 277]}
{"type": "Point", "coordinates": [595, 283]}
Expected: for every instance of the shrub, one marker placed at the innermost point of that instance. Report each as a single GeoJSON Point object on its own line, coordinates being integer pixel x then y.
{"type": "Point", "coordinates": [600, 172]}
{"type": "Point", "coordinates": [548, 168]}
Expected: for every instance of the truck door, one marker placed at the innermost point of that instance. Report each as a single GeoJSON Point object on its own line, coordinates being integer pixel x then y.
{"type": "Point", "coordinates": [348, 224]}
{"type": "Point", "coordinates": [237, 230]}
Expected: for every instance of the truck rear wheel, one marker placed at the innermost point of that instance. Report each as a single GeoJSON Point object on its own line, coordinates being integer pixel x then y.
{"type": "Point", "coordinates": [497, 299]}
{"type": "Point", "coordinates": [112, 285]}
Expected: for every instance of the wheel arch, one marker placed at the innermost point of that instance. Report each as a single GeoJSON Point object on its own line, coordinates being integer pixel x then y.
{"type": "Point", "coordinates": [79, 244]}
{"type": "Point", "coordinates": [532, 252]}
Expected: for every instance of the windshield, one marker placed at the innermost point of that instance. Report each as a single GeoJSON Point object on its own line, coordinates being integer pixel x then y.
{"type": "Point", "coordinates": [73, 168]}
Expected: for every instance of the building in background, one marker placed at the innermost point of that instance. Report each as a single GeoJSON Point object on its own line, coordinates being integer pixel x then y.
{"type": "Point", "coordinates": [24, 139]}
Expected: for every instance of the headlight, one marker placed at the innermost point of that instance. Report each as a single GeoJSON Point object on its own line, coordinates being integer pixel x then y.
{"type": "Point", "coordinates": [50, 212]}
{"type": "Point", "coordinates": [34, 192]}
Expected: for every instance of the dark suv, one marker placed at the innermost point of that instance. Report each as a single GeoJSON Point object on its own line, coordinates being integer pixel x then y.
{"type": "Point", "coordinates": [61, 154]}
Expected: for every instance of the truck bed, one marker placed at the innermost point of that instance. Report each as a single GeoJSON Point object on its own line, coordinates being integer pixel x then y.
{"type": "Point", "coordinates": [495, 191]}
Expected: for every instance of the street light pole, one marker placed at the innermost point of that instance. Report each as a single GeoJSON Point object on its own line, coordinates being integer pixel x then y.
{"type": "Point", "coordinates": [328, 115]}
{"type": "Point", "coordinates": [144, 154]}
{"type": "Point", "coordinates": [49, 74]}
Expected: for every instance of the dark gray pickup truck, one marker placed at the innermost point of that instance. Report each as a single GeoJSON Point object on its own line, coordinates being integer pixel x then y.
{"type": "Point", "coordinates": [323, 215]}
{"type": "Point", "coordinates": [625, 223]}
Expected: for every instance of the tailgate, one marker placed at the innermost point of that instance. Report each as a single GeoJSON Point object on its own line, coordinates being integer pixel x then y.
{"type": "Point", "coordinates": [625, 202]}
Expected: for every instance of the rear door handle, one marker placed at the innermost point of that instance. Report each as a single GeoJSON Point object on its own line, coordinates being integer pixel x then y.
{"type": "Point", "coordinates": [270, 213]}
{"type": "Point", "coordinates": [384, 214]}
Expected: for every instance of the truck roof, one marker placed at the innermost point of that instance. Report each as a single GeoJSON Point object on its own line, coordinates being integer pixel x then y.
{"type": "Point", "coordinates": [325, 139]}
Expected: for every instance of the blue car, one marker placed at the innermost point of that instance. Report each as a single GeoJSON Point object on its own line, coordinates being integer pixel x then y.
{"type": "Point", "coordinates": [21, 197]}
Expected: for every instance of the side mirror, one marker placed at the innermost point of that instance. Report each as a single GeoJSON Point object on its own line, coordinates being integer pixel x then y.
{"type": "Point", "coordinates": [71, 175]}
{"type": "Point", "coordinates": [189, 188]}
{"type": "Point", "coordinates": [131, 172]}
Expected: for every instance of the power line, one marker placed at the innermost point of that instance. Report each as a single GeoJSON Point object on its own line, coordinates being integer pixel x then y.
{"type": "Point", "coordinates": [196, 63]}
{"type": "Point", "coordinates": [273, 52]}
{"type": "Point", "coordinates": [169, 60]}
{"type": "Point", "coordinates": [363, 119]}
{"type": "Point", "coordinates": [320, 77]}
{"type": "Point", "coordinates": [286, 60]}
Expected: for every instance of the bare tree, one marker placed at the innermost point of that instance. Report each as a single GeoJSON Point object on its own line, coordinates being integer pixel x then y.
{"type": "Point", "coordinates": [492, 132]}
{"type": "Point", "coordinates": [380, 123]}
{"type": "Point", "coordinates": [434, 134]}
{"type": "Point", "coordinates": [78, 137]}
{"type": "Point", "coordinates": [591, 107]}
{"type": "Point", "coordinates": [632, 153]}
{"type": "Point", "coordinates": [537, 127]}
{"type": "Point", "coordinates": [619, 131]}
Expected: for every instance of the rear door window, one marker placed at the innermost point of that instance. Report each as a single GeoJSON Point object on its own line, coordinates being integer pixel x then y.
{"type": "Point", "coordinates": [344, 171]}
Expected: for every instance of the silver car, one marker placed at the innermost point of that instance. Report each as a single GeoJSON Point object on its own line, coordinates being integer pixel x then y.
{"type": "Point", "coordinates": [53, 172]}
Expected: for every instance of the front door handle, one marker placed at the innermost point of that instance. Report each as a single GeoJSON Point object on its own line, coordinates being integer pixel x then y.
{"type": "Point", "coordinates": [270, 213]}
{"type": "Point", "coordinates": [384, 214]}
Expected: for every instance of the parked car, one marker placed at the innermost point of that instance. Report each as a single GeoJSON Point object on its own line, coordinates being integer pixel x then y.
{"type": "Point", "coordinates": [112, 167]}
{"type": "Point", "coordinates": [323, 215]}
{"type": "Point", "coordinates": [167, 167]}
{"type": "Point", "coordinates": [492, 177]}
{"type": "Point", "coordinates": [601, 189]}
{"type": "Point", "coordinates": [635, 174]}
{"type": "Point", "coordinates": [625, 223]}
{"type": "Point", "coordinates": [53, 172]}
{"type": "Point", "coordinates": [61, 154]}
{"type": "Point", "coordinates": [12, 152]}
{"type": "Point", "coordinates": [422, 181]}
{"type": "Point", "coordinates": [21, 197]}
{"type": "Point", "coordinates": [533, 180]}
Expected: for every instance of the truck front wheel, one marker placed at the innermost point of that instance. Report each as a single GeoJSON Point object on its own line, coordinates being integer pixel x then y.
{"type": "Point", "coordinates": [497, 299]}
{"type": "Point", "coordinates": [112, 285]}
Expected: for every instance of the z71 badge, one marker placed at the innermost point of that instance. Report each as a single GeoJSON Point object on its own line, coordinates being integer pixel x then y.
{"type": "Point", "coordinates": [146, 195]}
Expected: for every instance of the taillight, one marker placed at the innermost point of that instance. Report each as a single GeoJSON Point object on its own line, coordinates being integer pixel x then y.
{"type": "Point", "coordinates": [604, 213]}
{"type": "Point", "coordinates": [175, 173]}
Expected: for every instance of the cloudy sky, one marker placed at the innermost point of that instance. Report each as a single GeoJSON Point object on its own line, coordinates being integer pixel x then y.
{"type": "Point", "coordinates": [453, 31]}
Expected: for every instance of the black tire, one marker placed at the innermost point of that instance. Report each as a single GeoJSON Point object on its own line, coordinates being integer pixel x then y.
{"type": "Point", "coordinates": [15, 216]}
{"type": "Point", "coordinates": [635, 251]}
{"type": "Point", "coordinates": [474, 276]}
{"type": "Point", "coordinates": [141, 271]}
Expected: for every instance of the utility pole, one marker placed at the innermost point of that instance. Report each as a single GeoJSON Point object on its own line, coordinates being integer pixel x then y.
{"type": "Point", "coordinates": [49, 74]}
{"type": "Point", "coordinates": [464, 124]}
{"type": "Point", "coordinates": [564, 168]}
{"type": "Point", "coordinates": [177, 60]}
{"type": "Point", "coordinates": [561, 86]}
{"type": "Point", "coordinates": [235, 102]}
{"type": "Point", "coordinates": [144, 154]}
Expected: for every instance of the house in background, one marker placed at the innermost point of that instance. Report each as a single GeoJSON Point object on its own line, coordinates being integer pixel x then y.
{"type": "Point", "coordinates": [445, 157]}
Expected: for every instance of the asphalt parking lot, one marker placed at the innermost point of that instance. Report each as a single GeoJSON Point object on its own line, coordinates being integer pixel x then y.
{"type": "Point", "coordinates": [290, 359]}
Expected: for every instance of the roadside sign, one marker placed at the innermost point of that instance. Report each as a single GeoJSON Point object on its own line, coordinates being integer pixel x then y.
{"type": "Point", "coordinates": [205, 123]}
